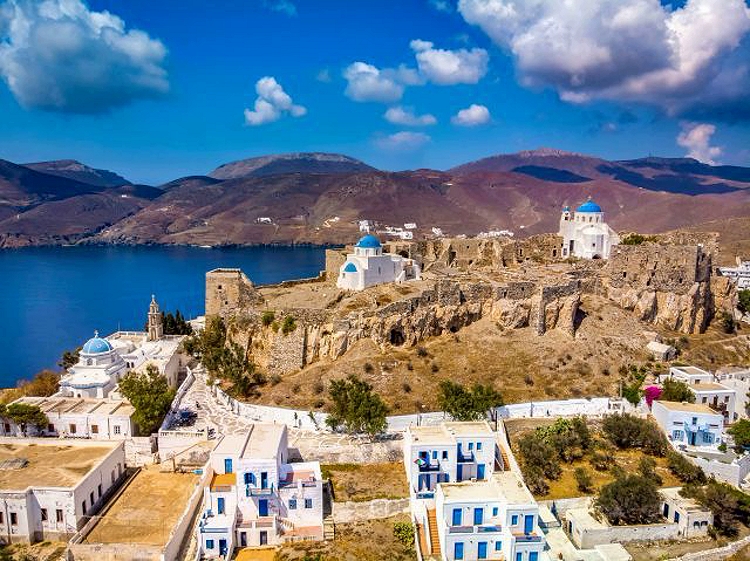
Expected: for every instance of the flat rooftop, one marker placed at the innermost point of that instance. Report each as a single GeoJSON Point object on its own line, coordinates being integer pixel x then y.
{"type": "Point", "coordinates": [261, 441]}
{"type": "Point", "coordinates": [688, 407]}
{"type": "Point", "coordinates": [49, 465]}
{"type": "Point", "coordinates": [502, 486]}
{"type": "Point", "coordinates": [583, 519]}
{"type": "Point", "coordinates": [710, 387]}
{"type": "Point", "coordinates": [62, 405]}
{"type": "Point", "coordinates": [673, 493]}
{"type": "Point", "coordinates": [147, 509]}
{"type": "Point", "coordinates": [446, 433]}
{"type": "Point", "coordinates": [691, 370]}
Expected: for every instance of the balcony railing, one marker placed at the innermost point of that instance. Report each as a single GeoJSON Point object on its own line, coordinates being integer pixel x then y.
{"type": "Point", "coordinates": [253, 491]}
{"type": "Point", "coordinates": [292, 483]}
{"type": "Point", "coordinates": [475, 529]}
{"type": "Point", "coordinates": [429, 467]}
{"type": "Point", "coordinates": [465, 457]}
{"type": "Point", "coordinates": [489, 528]}
{"type": "Point", "coordinates": [425, 495]}
{"type": "Point", "coordinates": [527, 538]}
{"type": "Point", "coordinates": [461, 529]}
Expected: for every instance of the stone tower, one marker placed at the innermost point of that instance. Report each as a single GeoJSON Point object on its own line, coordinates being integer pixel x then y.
{"type": "Point", "coordinates": [155, 321]}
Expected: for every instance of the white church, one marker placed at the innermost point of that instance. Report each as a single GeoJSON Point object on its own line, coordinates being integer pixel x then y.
{"type": "Point", "coordinates": [585, 234]}
{"type": "Point", "coordinates": [369, 266]}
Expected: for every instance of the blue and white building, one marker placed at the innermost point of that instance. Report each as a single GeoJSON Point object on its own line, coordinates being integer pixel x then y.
{"type": "Point", "coordinates": [585, 234]}
{"type": "Point", "coordinates": [256, 497]}
{"type": "Point", "coordinates": [493, 519]}
{"type": "Point", "coordinates": [689, 424]}
{"type": "Point", "coordinates": [369, 266]}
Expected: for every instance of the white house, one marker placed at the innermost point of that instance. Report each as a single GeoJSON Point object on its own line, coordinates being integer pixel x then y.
{"type": "Point", "coordinates": [97, 419]}
{"type": "Point", "coordinates": [738, 379]}
{"type": "Point", "coordinates": [717, 396]}
{"type": "Point", "coordinates": [585, 234]}
{"type": "Point", "coordinates": [492, 519]}
{"type": "Point", "coordinates": [97, 372]}
{"type": "Point", "coordinates": [256, 497]}
{"type": "Point", "coordinates": [49, 489]}
{"type": "Point", "coordinates": [739, 274]}
{"type": "Point", "coordinates": [689, 424]}
{"type": "Point", "coordinates": [450, 452]}
{"type": "Point", "coordinates": [369, 266]}
{"type": "Point", "coordinates": [692, 518]}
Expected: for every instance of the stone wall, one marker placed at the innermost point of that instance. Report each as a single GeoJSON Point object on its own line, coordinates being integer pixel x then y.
{"type": "Point", "coordinates": [351, 511]}
{"type": "Point", "coordinates": [228, 290]}
{"type": "Point", "coordinates": [591, 537]}
{"type": "Point", "coordinates": [334, 260]}
{"type": "Point", "coordinates": [716, 554]}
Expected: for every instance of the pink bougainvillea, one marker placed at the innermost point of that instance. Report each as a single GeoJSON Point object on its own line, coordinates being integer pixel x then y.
{"type": "Point", "coordinates": [652, 393]}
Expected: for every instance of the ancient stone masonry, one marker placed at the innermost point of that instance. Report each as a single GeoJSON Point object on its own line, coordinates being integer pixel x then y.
{"type": "Point", "coordinates": [668, 282]}
{"type": "Point", "coordinates": [228, 290]}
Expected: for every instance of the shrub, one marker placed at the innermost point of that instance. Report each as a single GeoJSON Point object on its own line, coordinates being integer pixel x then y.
{"type": "Point", "coordinates": [740, 432]}
{"type": "Point", "coordinates": [288, 325]}
{"type": "Point", "coordinates": [683, 469]}
{"type": "Point", "coordinates": [652, 393]}
{"type": "Point", "coordinates": [627, 431]}
{"type": "Point", "coordinates": [409, 366]}
{"type": "Point", "coordinates": [583, 479]}
{"type": "Point", "coordinates": [318, 387]}
{"type": "Point", "coordinates": [629, 499]}
{"type": "Point", "coordinates": [536, 453]}
{"type": "Point", "coordinates": [267, 318]}
{"type": "Point", "coordinates": [727, 322]}
{"type": "Point", "coordinates": [676, 390]}
{"type": "Point", "coordinates": [404, 533]}
{"type": "Point", "coordinates": [535, 480]}
{"type": "Point", "coordinates": [406, 387]}
{"type": "Point", "coordinates": [601, 461]}
{"type": "Point", "coordinates": [743, 301]}
{"type": "Point", "coordinates": [356, 407]}
{"type": "Point", "coordinates": [422, 352]}
{"type": "Point", "coordinates": [570, 438]}
{"type": "Point", "coordinates": [636, 239]}
{"type": "Point", "coordinates": [647, 469]}
{"type": "Point", "coordinates": [434, 367]}
{"type": "Point", "coordinates": [275, 379]}
{"type": "Point", "coordinates": [369, 368]}
{"type": "Point", "coordinates": [528, 380]}
{"type": "Point", "coordinates": [467, 405]}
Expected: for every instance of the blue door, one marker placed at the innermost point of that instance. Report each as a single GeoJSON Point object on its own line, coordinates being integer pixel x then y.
{"type": "Point", "coordinates": [459, 472]}
{"type": "Point", "coordinates": [528, 524]}
{"type": "Point", "coordinates": [220, 505]}
{"type": "Point", "coordinates": [480, 471]}
{"type": "Point", "coordinates": [458, 550]}
{"type": "Point", "coordinates": [222, 547]}
{"type": "Point", "coordinates": [456, 517]}
{"type": "Point", "coordinates": [482, 550]}
{"type": "Point", "coordinates": [533, 556]}
{"type": "Point", "coordinates": [263, 507]}
{"type": "Point", "coordinates": [264, 480]}
{"type": "Point", "coordinates": [478, 516]}
{"type": "Point", "coordinates": [228, 465]}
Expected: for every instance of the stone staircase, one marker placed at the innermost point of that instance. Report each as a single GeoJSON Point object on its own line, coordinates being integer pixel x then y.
{"type": "Point", "coordinates": [433, 529]}
{"type": "Point", "coordinates": [329, 528]}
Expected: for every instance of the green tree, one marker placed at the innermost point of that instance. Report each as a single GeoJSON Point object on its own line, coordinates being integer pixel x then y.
{"type": "Point", "coordinates": [467, 405]}
{"type": "Point", "coordinates": [288, 325]}
{"type": "Point", "coordinates": [740, 432]}
{"type": "Point", "coordinates": [235, 366]}
{"type": "Point", "coordinates": [729, 505]}
{"type": "Point", "coordinates": [150, 395]}
{"type": "Point", "coordinates": [583, 479]}
{"type": "Point", "coordinates": [404, 533]}
{"type": "Point", "coordinates": [24, 415]}
{"type": "Point", "coordinates": [570, 438]}
{"type": "Point", "coordinates": [727, 322]}
{"type": "Point", "coordinates": [267, 318]}
{"type": "Point", "coordinates": [743, 301]}
{"type": "Point", "coordinates": [676, 390]}
{"type": "Point", "coordinates": [628, 431]}
{"type": "Point", "coordinates": [356, 407]}
{"type": "Point", "coordinates": [537, 453]}
{"type": "Point", "coordinates": [175, 324]}
{"type": "Point", "coordinates": [69, 358]}
{"type": "Point", "coordinates": [44, 384]}
{"type": "Point", "coordinates": [647, 469]}
{"type": "Point", "coordinates": [629, 499]}
{"type": "Point", "coordinates": [683, 469]}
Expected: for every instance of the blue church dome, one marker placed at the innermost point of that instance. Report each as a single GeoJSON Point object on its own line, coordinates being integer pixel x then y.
{"type": "Point", "coordinates": [369, 242]}
{"type": "Point", "coordinates": [350, 268]}
{"type": "Point", "coordinates": [96, 345]}
{"type": "Point", "coordinates": [589, 206]}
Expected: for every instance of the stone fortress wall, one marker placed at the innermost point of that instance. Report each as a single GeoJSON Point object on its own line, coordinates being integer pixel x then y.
{"type": "Point", "coordinates": [668, 282]}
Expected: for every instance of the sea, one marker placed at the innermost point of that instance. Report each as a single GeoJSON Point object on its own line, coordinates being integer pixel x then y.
{"type": "Point", "coordinates": [54, 298]}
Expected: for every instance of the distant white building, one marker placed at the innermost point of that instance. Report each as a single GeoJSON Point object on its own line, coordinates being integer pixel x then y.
{"type": "Point", "coordinates": [369, 266]}
{"type": "Point", "coordinates": [739, 274]}
{"type": "Point", "coordinates": [493, 519]}
{"type": "Point", "coordinates": [410, 226]}
{"type": "Point", "coordinates": [717, 396]}
{"type": "Point", "coordinates": [585, 234]}
{"type": "Point", "coordinates": [257, 497]}
{"type": "Point", "coordinates": [689, 424]}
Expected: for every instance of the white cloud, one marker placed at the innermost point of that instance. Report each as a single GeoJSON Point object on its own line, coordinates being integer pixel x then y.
{"type": "Point", "coordinates": [405, 116]}
{"type": "Point", "coordinates": [472, 116]}
{"type": "Point", "coordinates": [446, 67]}
{"type": "Point", "coordinates": [632, 50]}
{"type": "Point", "coordinates": [696, 138]}
{"type": "Point", "coordinates": [57, 55]}
{"type": "Point", "coordinates": [404, 140]}
{"type": "Point", "coordinates": [324, 76]}
{"type": "Point", "coordinates": [271, 104]}
{"type": "Point", "coordinates": [368, 83]}
{"type": "Point", "coordinates": [441, 5]}
{"type": "Point", "coordinates": [283, 6]}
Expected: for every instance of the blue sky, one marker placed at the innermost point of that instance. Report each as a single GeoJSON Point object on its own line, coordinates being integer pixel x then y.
{"type": "Point", "coordinates": [170, 98]}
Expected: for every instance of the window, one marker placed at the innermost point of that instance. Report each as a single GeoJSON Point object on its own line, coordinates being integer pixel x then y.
{"type": "Point", "coordinates": [91, 496]}
{"type": "Point", "coordinates": [116, 429]}
{"type": "Point", "coordinates": [478, 516]}
{"type": "Point", "coordinates": [94, 429]}
{"type": "Point", "coordinates": [458, 550]}
{"type": "Point", "coordinates": [456, 517]}
{"type": "Point", "coordinates": [308, 503]}
{"type": "Point", "coordinates": [479, 446]}
{"type": "Point", "coordinates": [519, 556]}
{"type": "Point", "coordinates": [292, 504]}
{"type": "Point", "coordinates": [72, 428]}
{"type": "Point", "coordinates": [220, 505]}
{"type": "Point", "coordinates": [677, 435]}
{"type": "Point", "coordinates": [705, 400]}
{"type": "Point", "coordinates": [7, 428]}
{"type": "Point", "coordinates": [676, 516]}
{"type": "Point", "coordinates": [471, 446]}
{"type": "Point", "coordinates": [2, 518]}
{"type": "Point", "coordinates": [498, 546]}
{"type": "Point", "coordinates": [44, 515]}
{"type": "Point", "coordinates": [494, 511]}
{"type": "Point", "coordinates": [249, 479]}
{"type": "Point", "coordinates": [13, 519]}
{"type": "Point", "coordinates": [59, 515]}
{"type": "Point", "coordinates": [514, 520]}
{"type": "Point", "coordinates": [83, 507]}
{"type": "Point", "coordinates": [434, 454]}
{"type": "Point", "coordinates": [99, 490]}
{"type": "Point", "coordinates": [209, 544]}
{"type": "Point", "coordinates": [533, 556]}
{"type": "Point", "coordinates": [445, 454]}
{"type": "Point", "coordinates": [50, 428]}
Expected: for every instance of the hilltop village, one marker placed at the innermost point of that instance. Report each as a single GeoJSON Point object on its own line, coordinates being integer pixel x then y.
{"type": "Point", "coordinates": [323, 418]}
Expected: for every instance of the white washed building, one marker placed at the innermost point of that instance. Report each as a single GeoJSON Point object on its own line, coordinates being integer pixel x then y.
{"type": "Point", "coordinates": [689, 424]}
{"type": "Point", "coordinates": [707, 390]}
{"type": "Point", "coordinates": [256, 497]}
{"type": "Point", "coordinates": [369, 266]}
{"type": "Point", "coordinates": [492, 519]}
{"type": "Point", "coordinates": [585, 234]}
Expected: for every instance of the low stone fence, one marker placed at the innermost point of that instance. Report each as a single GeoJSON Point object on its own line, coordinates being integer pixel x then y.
{"type": "Point", "coordinates": [592, 407]}
{"type": "Point", "coordinates": [351, 511]}
{"type": "Point", "coordinates": [716, 554]}
{"type": "Point", "coordinates": [172, 443]}
{"type": "Point", "coordinates": [733, 473]}
{"type": "Point", "coordinates": [139, 451]}
{"type": "Point", "coordinates": [591, 537]}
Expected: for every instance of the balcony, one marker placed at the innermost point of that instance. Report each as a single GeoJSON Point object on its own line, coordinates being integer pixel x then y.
{"type": "Point", "coordinates": [261, 522]}
{"type": "Point", "coordinates": [253, 491]}
{"type": "Point", "coordinates": [425, 494]}
{"type": "Point", "coordinates": [527, 538]}
{"type": "Point", "coordinates": [489, 528]}
{"type": "Point", "coordinates": [460, 529]}
{"type": "Point", "coordinates": [465, 458]}
{"type": "Point", "coordinates": [476, 529]}
{"type": "Point", "coordinates": [426, 467]}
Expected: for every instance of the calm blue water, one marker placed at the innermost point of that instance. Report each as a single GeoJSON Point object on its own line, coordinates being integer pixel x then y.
{"type": "Point", "coordinates": [52, 299]}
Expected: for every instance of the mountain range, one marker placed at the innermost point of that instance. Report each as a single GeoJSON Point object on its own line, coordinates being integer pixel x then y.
{"type": "Point", "coordinates": [319, 197]}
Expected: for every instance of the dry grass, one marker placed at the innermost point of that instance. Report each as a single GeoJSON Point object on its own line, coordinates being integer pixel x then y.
{"type": "Point", "coordinates": [366, 482]}
{"type": "Point", "coordinates": [657, 551]}
{"type": "Point", "coordinates": [372, 540]}
{"type": "Point", "coordinates": [42, 551]}
{"type": "Point", "coordinates": [147, 510]}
